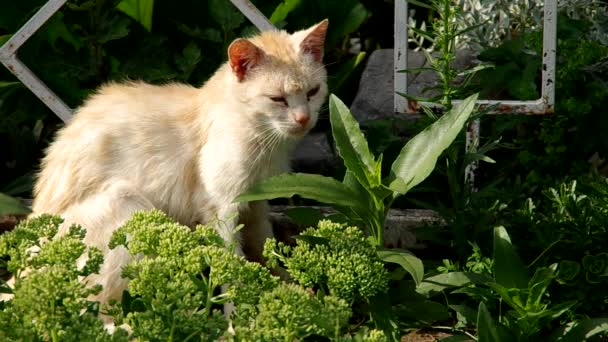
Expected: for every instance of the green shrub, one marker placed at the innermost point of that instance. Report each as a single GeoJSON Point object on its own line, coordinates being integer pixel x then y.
{"type": "Point", "coordinates": [175, 286]}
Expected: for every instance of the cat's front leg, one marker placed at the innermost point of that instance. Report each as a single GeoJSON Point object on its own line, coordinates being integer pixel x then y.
{"type": "Point", "coordinates": [227, 220]}
{"type": "Point", "coordinates": [257, 228]}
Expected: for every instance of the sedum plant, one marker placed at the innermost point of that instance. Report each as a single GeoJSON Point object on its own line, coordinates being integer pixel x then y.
{"type": "Point", "coordinates": [49, 302]}
{"type": "Point", "coordinates": [177, 285]}
{"type": "Point", "coordinates": [335, 259]}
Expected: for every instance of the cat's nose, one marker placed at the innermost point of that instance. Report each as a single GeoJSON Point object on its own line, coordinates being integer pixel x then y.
{"type": "Point", "coordinates": [302, 118]}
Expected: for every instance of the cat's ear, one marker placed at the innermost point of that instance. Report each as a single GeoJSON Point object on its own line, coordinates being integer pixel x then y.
{"type": "Point", "coordinates": [313, 40]}
{"type": "Point", "coordinates": [243, 55]}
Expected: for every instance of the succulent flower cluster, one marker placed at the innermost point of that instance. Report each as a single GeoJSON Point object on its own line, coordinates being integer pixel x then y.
{"type": "Point", "coordinates": [333, 258]}
{"type": "Point", "coordinates": [178, 283]}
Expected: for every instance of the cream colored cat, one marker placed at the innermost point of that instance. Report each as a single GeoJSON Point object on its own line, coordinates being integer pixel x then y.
{"type": "Point", "coordinates": [187, 151]}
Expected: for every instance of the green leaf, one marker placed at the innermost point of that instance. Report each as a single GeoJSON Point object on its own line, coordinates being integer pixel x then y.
{"type": "Point", "coordinates": [416, 70]}
{"type": "Point", "coordinates": [140, 10]}
{"type": "Point", "coordinates": [116, 28]}
{"type": "Point", "coordinates": [320, 188]}
{"type": "Point", "coordinates": [538, 285]}
{"type": "Point", "coordinates": [382, 315]}
{"type": "Point", "coordinates": [188, 59]}
{"type": "Point", "coordinates": [225, 14]}
{"type": "Point", "coordinates": [567, 271]}
{"type": "Point", "coordinates": [487, 330]}
{"type": "Point", "coordinates": [509, 270]}
{"type": "Point", "coordinates": [426, 311]}
{"type": "Point", "coordinates": [209, 34]}
{"type": "Point", "coordinates": [475, 69]}
{"type": "Point", "coordinates": [419, 156]}
{"type": "Point", "coordinates": [304, 215]}
{"type": "Point", "coordinates": [5, 38]}
{"type": "Point", "coordinates": [10, 205]}
{"type": "Point", "coordinates": [7, 84]}
{"type": "Point", "coordinates": [20, 185]}
{"type": "Point", "coordinates": [340, 76]}
{"type": "Point", "coordinates": [56, 29]}
{"type": "Point", "coordinates": [415, 97]}
{"type": "Point", "coordinates": [281, 12]}
{"type": "Point", "coordinates": [351, 143]}
{"type": "Point", "coordinates": [585, 329]}
{"type": "Point", "coordinates": [435, 284]}
{"type": "Point", "coordinates": [511, 296]}
{"type": "Point", "coordinates": [406, 259]}
{"type": "Point", "coordinates": [466, 315]}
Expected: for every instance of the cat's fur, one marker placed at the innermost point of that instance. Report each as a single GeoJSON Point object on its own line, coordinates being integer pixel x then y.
{"type": "Point", "coordinates": [187, 151]}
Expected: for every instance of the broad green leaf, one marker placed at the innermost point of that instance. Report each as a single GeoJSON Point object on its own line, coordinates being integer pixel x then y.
{"type": "Point", "coordinates": [364, 195]}
{"type": "Point", "coordinates": [304, 215]}
{"type": "Point", "coordinates": [538, 285]}
{"type": "Point", "coordinates": [351, 143]}
{"type": "Point", "coordinates": [511, 296]}
{"type": "Point", "coordinates": [509, 270]}
{"type": "Point", "coordinates": [140, 10]}
{"type": "Point", "coordinates": [419, 156]}
{"type": "Point", "coordinates": [406, 259]}
{"type": "Point", "coordinates": [352, 15]}
{"type": "Point", "coordinates": [487, 331]}
{"type": "Point", "coordinates": [283, 9]}
{"type": "Point", "coordinates": [435, 284]}
{"type": "Point", "coordinates": [10, 205]}
{"type": "Point", "coordinates": [585, 329]}
{"type": "Point", "coordinates": [316, 187]}
{"type": "Point", "coordinates": [424, 310]}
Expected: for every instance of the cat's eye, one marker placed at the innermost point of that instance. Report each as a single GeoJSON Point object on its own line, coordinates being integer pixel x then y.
{"type": "Point", "coordinates": [279, 99]}
{"type": "Point", "coordinates": [312, 92]}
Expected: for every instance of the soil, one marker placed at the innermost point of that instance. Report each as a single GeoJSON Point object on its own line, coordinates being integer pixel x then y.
{"type": "Point", "coordinates": [425, 335]}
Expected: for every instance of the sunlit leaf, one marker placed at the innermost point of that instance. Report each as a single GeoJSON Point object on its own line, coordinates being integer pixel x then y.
{"type": "Point", "coordinates": [419, 156]}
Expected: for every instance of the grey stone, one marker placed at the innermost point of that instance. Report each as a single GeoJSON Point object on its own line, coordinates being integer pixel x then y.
{"type": "Point", "coordinates": [374, 99]}
{"type": "Point", "coordinates": [315, 155]}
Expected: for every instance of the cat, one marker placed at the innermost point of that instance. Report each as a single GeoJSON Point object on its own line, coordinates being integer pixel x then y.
{"type": "Point", "coordinates": [184, 150]}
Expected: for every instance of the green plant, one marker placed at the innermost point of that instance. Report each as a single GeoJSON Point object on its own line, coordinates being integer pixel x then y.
{"type": "Point", "coordinates": [10, 205]}
{"type": "Point", "coordinates": [321, 255]}
{"type": "Point", "coordinates": [363, 196]}
{"type": "Point", "coordinates": [49, 302]}
{"type": "Point", "coordinates": [174, 287]}
{"type": "Point", "coordinates": [530, 315]}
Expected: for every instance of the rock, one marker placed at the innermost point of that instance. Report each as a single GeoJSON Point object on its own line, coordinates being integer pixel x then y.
{"type": "Point", "coordinates": [315, 155]}
{"type": "Point", "coordinates": [374, 99]}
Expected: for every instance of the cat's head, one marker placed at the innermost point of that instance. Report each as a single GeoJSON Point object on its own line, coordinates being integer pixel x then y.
{"type": "Point", "coordinates": [281, 78]}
